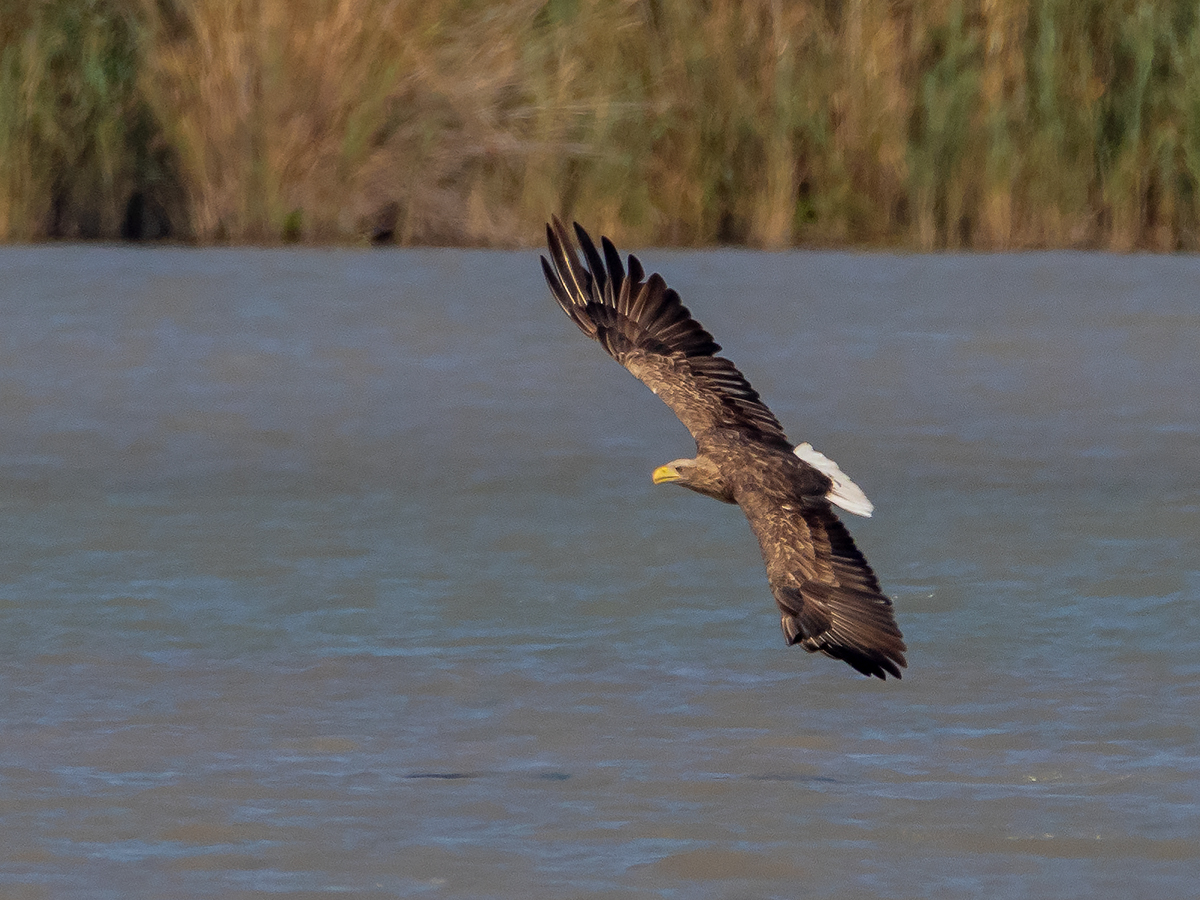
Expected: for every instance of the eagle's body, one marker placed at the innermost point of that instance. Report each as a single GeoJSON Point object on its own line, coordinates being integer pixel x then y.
{"type": "Point", "coordinates": [829, 597]}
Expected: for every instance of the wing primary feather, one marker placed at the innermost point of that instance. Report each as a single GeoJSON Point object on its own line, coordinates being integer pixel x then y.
{"type": "Point", "coordinates": [616, 271]}
{"type": "Point", "coordinates": [569, 262]}
{"type": "Point", "coordinates": [594, 263]}
{"type": "Point", "coordinates": [558, 257]}
{"type": "Point", "coordinates": [623, 297]}
{"type": "Point", "coordinates": [645, 307]}
{"type": "Point", "coordinates": [556, 287]}
{"type": "Point", "coordinates": [636, 273]}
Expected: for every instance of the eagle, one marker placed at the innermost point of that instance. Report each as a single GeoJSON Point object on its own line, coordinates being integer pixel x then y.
{"type": "Point", "coordinates": [828, 596]}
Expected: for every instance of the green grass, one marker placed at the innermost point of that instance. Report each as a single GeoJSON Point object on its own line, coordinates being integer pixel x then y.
{"type": "Point", "coordinates": [930, 124]}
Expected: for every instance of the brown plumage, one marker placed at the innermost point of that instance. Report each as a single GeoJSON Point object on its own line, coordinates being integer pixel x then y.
{"type": "Point", "coordinates": [829, 597]}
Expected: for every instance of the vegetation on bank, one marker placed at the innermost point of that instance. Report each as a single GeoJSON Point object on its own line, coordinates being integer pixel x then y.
{"type": "Point", "coordinates": [920, 123]}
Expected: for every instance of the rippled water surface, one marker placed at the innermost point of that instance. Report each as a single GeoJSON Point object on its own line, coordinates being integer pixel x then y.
{"type": "Point", "coordinates": [343, 572]}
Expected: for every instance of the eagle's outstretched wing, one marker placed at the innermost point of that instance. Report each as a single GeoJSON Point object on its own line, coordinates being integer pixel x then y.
{"type": "Point", "coordinates": [828, 595]}
{"type": "Point", "coordinates": [644, 326]}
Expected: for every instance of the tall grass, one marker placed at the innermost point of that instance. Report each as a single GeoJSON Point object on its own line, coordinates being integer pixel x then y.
{"type": "Point", "coordinates": [929, 123]}
{"type": "Point", "coordinates": [76, 138]}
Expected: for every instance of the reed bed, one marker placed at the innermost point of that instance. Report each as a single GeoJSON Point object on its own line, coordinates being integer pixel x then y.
{"type": "Point", "coordinates": [922, 123]}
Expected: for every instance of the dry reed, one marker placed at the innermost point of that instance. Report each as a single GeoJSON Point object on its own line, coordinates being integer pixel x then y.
{"type": "Point", "coordinates": [928, 123]}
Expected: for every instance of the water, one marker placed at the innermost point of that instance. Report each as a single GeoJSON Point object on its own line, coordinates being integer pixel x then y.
{"type": "Point", "coordinates": [342, 572]}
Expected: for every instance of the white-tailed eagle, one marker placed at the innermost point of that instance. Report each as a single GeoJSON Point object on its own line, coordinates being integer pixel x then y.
{"type": "Point", "coordinates": [829, 597]}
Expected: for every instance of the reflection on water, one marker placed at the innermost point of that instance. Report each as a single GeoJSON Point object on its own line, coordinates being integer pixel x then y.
{"type": "Point", "coordinates": [341, 571]}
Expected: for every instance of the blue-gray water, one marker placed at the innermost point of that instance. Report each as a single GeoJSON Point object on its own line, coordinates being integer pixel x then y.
{"type": "Point", "coordinates": [343, 572]}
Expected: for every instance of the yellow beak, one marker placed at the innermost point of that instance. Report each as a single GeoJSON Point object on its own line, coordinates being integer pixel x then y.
{"type": "Point", "coordinates": [663, 474]}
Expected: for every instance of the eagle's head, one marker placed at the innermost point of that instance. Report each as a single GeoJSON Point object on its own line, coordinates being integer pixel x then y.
{"type": "Point", "coordinates": [701, 475]}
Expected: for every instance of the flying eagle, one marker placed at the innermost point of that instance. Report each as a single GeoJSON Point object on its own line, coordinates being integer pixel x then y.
{"type": "Point", "coordinates": [829, 597]}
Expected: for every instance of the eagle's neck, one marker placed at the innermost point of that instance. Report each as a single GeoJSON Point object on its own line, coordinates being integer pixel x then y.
{"type": "Point", "coordinates": [703, 476]}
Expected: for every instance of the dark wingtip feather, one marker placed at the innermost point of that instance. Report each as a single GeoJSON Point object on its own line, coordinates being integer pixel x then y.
{"type": "Point", "coordinates": [854, 626]}
{"type": "Point", "coordinates": [612, 259]}
{"type": "Point", "coordinates": [637, 273]}
{"type": "Point", "coordinates": [868, 662]}
{"type": "Point", "coordinates": [872, 663]}
{"type": "Point", "coordinates": [556, 285]}
{"type": "Point", "coordinates": [594, 263]}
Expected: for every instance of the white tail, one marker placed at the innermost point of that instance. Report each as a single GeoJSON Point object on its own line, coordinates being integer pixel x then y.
{"type": "Point", "coordinates": [844, 493]}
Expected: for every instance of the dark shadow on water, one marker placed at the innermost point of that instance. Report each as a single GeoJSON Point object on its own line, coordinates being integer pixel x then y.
{"type": "Point", "coordinates": [564, 776]}
{"type": "Point", "coordinates": [455, 776]}
{"type": "Point", "coordinates": [796, 778]}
